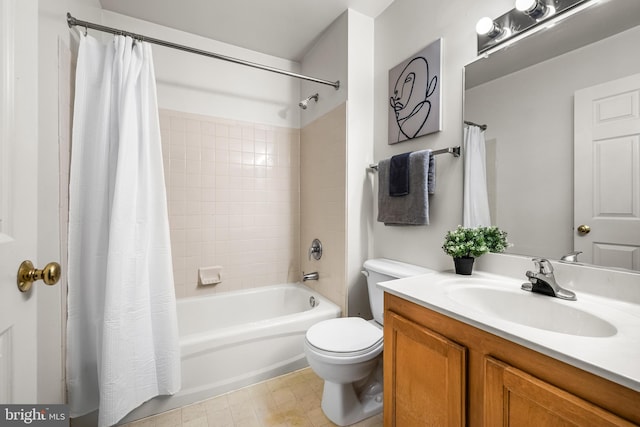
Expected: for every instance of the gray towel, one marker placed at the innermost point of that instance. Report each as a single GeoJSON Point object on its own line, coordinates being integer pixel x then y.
{"type": "Point", "coordinates": [412, 209]}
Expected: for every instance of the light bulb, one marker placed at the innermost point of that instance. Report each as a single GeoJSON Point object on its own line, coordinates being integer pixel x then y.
{"type": "Point", "coordinates": [532, 8]}
{"type": "Point", "coordinates": [524, 5]}
{"type": "Point", "coordinates": [486, 26]}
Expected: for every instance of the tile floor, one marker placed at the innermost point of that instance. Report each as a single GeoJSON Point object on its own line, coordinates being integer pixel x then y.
{"type": "Point", "coordinates": [292, 400]}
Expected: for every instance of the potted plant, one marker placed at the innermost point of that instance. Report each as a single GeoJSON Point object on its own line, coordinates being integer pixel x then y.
{"type": "Point", "coordinates": [465, 244]}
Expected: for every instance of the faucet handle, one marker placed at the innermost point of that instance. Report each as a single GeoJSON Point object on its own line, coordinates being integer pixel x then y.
{"type": "Point", "coordinates": [315, 250]}
{"type": "Point", "coordinates": [543, 265]}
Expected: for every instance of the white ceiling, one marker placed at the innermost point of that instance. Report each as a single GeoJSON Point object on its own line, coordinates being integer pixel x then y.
{"type": "Point", "coordinates": [282, 28]}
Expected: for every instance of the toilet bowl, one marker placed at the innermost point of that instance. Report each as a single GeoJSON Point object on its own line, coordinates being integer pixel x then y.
{"type": "Point", "coordinates": [347, 352]}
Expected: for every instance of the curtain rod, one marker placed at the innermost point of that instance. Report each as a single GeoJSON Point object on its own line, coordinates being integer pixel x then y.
{"type": "Point", "coordinates": [71, 21]}
{"type": "Point", "coordinates": [455, 151]}
{"type": "Point", "coordinates": [482, 127]}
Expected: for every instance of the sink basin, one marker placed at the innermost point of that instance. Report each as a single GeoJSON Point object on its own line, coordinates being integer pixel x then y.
{"type": "Point", "coordinates": [533, 310]}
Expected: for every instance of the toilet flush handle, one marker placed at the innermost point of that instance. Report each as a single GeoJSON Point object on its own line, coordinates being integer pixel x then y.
{"type": "Point", "coordinates": [365, 273]}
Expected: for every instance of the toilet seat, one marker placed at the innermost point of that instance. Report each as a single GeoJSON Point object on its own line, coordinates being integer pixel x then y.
{"type": "Point", "coordinates": [345, 340]}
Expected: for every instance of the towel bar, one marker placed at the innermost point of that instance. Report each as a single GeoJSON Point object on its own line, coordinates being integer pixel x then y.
{"type": "Point", "coordinates": [455, 151]}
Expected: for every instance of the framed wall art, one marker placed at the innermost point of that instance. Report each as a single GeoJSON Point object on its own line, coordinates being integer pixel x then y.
{"type": "Point", "coordinates": [415, 97]}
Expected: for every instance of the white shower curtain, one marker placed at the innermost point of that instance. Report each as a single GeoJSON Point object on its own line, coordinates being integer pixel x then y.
{"type": "Point", "coordinates": [476, 201]}
{"type": "Point", "coordinates": [122, 332]}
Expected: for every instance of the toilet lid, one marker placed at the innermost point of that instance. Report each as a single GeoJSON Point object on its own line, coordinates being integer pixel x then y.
{"type": "Point", "coordinates": [344, 335]}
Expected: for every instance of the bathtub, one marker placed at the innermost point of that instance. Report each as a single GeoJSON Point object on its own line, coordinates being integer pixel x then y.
{"type": "Point", "coordinates": [233, 339]}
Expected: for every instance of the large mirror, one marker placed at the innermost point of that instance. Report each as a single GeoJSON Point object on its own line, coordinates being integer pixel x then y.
{"type": "Point", "coordinates": [531, 96]}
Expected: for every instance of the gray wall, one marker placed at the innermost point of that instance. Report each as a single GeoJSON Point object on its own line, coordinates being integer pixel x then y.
{"type": "Point", "coordinates": [402, 30]}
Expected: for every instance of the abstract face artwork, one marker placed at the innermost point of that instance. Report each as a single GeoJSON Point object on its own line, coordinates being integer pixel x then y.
{"type": "Point", "coordinates": [414, 95]}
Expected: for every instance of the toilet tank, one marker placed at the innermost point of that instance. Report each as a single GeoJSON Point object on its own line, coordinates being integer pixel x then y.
{"type": "Point", "coordinates": [381, 270]}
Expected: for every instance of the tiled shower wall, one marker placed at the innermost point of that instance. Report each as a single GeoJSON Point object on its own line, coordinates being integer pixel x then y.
{"type": "Point", "coordinates": [233, 194]}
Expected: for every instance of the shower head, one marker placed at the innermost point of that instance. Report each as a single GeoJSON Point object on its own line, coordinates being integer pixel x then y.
{"type": "Point", "coordinates": [305, 102]}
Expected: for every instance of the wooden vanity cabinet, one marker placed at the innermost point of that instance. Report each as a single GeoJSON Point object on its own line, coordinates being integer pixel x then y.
{"type": "Point", "coordinates": [439, 371]}
{"type": "Point", "coordinates": [515, 398]}
{"type": "Point", "coordinates": [422, 361]}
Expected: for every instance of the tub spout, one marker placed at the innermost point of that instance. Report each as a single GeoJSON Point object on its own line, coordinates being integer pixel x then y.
{"type": "Point", "coordinates": [310, 276]}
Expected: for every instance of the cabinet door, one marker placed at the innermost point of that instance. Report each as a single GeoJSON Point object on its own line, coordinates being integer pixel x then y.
{"type": "Point", "coordinates": [425, 376]}
{"type": "Point", "coordinates": [515, 398]}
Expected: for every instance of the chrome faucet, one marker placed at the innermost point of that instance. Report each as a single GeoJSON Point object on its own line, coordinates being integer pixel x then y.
{"type": "Point", "coordinates": [544, 282]}
{"type": "Point", "coordinates": [571, 257]}
{"type": "Point", "coordinates": [310, 276]}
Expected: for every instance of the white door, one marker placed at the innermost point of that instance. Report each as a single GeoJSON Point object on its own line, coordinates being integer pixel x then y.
{"type": "Point", "coordinates": [18, 205]}
{"type": "Point", "coordinates": [607, 173]}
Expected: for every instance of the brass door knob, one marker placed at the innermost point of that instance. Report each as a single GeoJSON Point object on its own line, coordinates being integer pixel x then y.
{"type": "Point", "coordinates": [584, 229]}
{"type": "Point", "coordinates": [27, 274]}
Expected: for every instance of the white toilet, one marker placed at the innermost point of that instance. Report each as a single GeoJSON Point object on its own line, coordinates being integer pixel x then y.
{"type": "Point", "coordinates": [347, 352]}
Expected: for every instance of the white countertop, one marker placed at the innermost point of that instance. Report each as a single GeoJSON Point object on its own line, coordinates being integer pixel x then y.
{"type": "Point", "coordinates": [615, 357]}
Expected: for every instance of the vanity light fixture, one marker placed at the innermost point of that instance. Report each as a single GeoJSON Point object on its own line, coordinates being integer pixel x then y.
{"type": "Point", "coordinates": [520, 21]}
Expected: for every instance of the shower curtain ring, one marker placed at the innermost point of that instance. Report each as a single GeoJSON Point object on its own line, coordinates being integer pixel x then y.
{"type": "Point", "coordinates": [86, 30]}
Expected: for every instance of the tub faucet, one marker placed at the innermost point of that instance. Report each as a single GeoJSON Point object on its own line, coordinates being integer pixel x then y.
{"type": "Point", "coordinates": [310, 276]}
{"type": "Point", "coordinates": [544, 282]}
